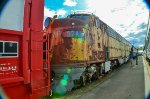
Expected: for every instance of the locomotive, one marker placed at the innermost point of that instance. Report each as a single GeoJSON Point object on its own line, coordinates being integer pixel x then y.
{"type": "Point", "coordinates": [24, 72]}
{"type": "Point", "coordinates": [83, 48]}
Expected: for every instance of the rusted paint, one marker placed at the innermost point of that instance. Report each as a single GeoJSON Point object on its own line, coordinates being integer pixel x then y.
{"type": "Point", "coordinates": [72, 49]}
{"type": "Point", "coordinates": [96, 44]}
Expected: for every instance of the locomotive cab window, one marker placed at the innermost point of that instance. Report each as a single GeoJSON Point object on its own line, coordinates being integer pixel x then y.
{"type": "Point", "coordinates": [80, 17]}
{"type": "Point", "coordinates": [73, 34]}
{"type": "Point", "coordinates": [8, 48]}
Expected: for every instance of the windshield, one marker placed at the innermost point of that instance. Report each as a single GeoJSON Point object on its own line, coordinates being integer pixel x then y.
{"type": "Point", "coordinates": [80, 17]}
{"type": "Point", "coordinates": [74, 34]}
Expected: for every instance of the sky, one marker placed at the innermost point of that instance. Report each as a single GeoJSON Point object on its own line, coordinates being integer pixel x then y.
{"type": "Point", "coordinates": [128, 17]}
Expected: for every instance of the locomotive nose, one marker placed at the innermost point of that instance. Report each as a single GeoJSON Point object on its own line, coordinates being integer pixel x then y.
{"type": "Point", "coordinates": [69, 36]}
{"type": "Point", "coordinates": [68, 43]}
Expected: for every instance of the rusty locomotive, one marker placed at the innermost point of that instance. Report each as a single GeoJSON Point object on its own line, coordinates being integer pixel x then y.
{"type": "Point", "coordinates": [83, 47]}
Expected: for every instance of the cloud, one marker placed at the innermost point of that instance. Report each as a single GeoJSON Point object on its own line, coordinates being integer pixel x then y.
{"type": "Point", "coordinates": [50, 13]}
{"type": "Point", "coordinates": [142, 26]}
{"type": "Point", "coordinates": [124, 16]}
{"type": "Point", "coordinates": [129, 38]}
{"type": "Point", "coordinates": [141, 45]}
{"type": "Point", "coordinates": [70, 3]}
{"type": "Point", "coordinates": [128, 17]}
{"type": "Point", "coordinates": [61, 12]}
{"type": "Point", "coordinates": [137, 39]}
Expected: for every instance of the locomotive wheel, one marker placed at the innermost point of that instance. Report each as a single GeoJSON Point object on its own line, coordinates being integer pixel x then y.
{"type": "Point", "coordinates": [89, 79]}
{"type": "Point", "coordinates": [118, 64]}
{"type": "Point", "coordinates": [82, 81]}
{"type": "Point", "coordinates": [95, 76]}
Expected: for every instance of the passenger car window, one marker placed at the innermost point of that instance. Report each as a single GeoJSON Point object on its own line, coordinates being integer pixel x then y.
{"type": "Point", "coordinates": [1, 47]}
{"type": "Point", "coordinates": [8, 48]}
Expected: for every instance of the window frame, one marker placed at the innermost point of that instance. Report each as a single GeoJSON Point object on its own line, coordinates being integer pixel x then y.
{"type": "Point", "coordinates": [2, 47]}
{"type": "Point", "coordinates": [17, 18]}
{"type": "Point", "coordinates": [97, 23]}
{"type": "Point", "coordinates": [7, 53]}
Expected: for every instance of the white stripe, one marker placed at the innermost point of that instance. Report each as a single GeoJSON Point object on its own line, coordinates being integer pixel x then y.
{"type": "Point", "coordinates": [146, 77]}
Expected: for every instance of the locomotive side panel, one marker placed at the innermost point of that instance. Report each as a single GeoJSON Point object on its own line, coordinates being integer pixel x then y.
{"type": "Point", "coordinates": [122, 49]}
{"type": "Point", "coordinates": [115, 49]}
{"type": "Point", "coordinates": [112, 47]}
{"type": "Point", "coordinates": [96, 40]}
{"type": "Point", "coordinates": [117, 45]}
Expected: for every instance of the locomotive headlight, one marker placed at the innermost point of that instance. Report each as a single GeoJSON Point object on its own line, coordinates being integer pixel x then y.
{"type": "Point", "coordinates": [73, 24]}
{"type": "Point", "coordinates": [47, 22]}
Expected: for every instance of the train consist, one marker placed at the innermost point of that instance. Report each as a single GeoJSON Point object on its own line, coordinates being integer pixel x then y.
{"type": "Point", "coordinates": [146, 49]}
{"type": "Point", "coordinates": [80, 48]}
{"type": "Point", "coordinates": [83, 47]}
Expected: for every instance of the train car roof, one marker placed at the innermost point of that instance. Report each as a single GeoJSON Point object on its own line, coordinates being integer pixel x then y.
{"type": "Point", "coordinates": [63, 22]}
{"type": "Point", "coordinates": [111, 32]}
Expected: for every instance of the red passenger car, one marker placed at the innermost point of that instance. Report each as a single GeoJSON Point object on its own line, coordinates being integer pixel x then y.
{"type": "Point", "coordinates": [24, 74]}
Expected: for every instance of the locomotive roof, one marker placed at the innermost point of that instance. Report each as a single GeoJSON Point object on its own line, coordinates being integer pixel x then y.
{"type": "Point", "coordinates": [63, 22]}
{"type": "Point", "coordinates": [80, 14]}
{"type": "Point", "coordinates": [68, 22]}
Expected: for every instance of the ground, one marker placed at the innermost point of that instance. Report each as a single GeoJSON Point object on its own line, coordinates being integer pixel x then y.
{"type": "Point", "coordinates": [126, 82]}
